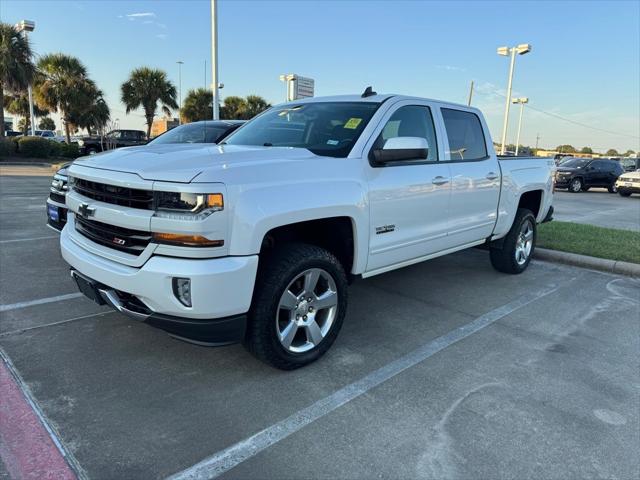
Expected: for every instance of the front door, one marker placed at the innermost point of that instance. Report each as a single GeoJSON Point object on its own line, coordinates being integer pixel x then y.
{"type": "Point", "coordinates": [409, 202]}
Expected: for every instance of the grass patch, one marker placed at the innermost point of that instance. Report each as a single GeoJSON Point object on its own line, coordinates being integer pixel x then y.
{"type": "Point", "coordinates": [599, 242]}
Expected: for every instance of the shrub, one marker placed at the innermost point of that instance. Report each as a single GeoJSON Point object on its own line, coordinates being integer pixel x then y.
{"type": "Point", "coordinates": [7, 147]}
{"type": "Point", "coordinates": [69, 150]}
{"type": "Point", "coordinates": [37, 147]}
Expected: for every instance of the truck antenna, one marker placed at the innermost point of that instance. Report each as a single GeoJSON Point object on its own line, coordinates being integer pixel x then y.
{"type": "Point", "coordinates": [368, 92]}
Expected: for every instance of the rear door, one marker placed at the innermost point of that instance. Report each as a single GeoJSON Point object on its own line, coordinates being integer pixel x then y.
{"type": "Point", "coordinates": [408, 201]}
{"type": "Point", "coordinates": [475, 177]}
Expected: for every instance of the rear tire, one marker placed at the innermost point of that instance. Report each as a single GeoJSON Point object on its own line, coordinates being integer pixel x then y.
{"type": "Point", "coordinates": [575, 185]}
{"type": "Point", "coordinates": [296, 281]}
{"type": "Point", "coordinates": [518, 246]}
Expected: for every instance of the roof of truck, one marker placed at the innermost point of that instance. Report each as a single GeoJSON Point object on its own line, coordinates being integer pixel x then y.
{"type": "Point", "coordinates": [377, 98]}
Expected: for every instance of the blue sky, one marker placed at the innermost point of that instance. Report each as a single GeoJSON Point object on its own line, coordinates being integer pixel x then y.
{"type": "Point", "coordinates": [585, 63]}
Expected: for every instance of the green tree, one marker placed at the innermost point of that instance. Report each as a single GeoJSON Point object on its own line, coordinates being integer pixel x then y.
{"type": "Point", "coordinates": [566, 149]}
{"type": "Point", "coordinates": [255, 105]}
{"type": "Point", "coordinates": [586, 150]}
{"type": "Point", "coordinates": [234, 108]}
{"type": "Point", "coordinates": [18, 104]}
{"type": "Point", "coordinates": [62, 86]}
{"type": "Point", "coordinates": [47, 123]}
{"type": "Point", "coordinates": [198, 105]}
{"type": "Point", "coordinates": [16, 66]}
{"type": "Point", "coordinates": [612, 152]}
{"type": "Point", "coordinates": [238, 108]}
{"type": "Point", "coordinates": [629, 153]}
{"type": "Point", "coordinates": [145, 88]}
{"type": "Point", "coordinates": [91, 111]}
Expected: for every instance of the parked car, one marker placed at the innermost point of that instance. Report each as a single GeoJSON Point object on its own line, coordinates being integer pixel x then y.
{"type": "Point", "coordinates": [256, 240]}
{"type": "Point", "coordinates": [197, 132]}
{"type": "Point", "coordinates": [628, 183]}
{"type": "Point", "coordinates": [12, 133]}
{"type": "Point", "coordinates": [56, 205]}
{"type": "Point", "coordinates": [113, 139]}
{"type": "Point", "coordinates": [50, 135]}
{"type": "Point", "coordinates": [580, 174]}
{"type": "Point", "coordinates": [630, 164]}
{"type": "Point", "coordinates": [206, 131]}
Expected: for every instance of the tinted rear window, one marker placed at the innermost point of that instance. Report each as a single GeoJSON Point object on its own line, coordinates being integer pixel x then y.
{"type": "Point", "coordinates": [466, 138]}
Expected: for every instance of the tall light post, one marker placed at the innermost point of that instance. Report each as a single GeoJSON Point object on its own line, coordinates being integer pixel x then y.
{"type": "Point", "coordinates": [214, 59]}
{"type": "Point", "coordinates": [521, 101]}
{"type": "Point", "coordinates": [505, 52]}
{"type": "Point", "coordinates": [180, 63]}
{"type": "Point", "coordinates": [26, 26]}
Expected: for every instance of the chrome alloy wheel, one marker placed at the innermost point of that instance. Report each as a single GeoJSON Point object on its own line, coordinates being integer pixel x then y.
{"type": "Point", "coordinates": [307, 310]}
{"type": "Point", "coordinates": [524, 243]}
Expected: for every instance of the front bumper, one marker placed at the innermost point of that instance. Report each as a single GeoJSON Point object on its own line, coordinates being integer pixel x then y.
{"type": "Point", "coordinates": [221, 291]}
{"type": "Point", "coordinates": [626, 186]}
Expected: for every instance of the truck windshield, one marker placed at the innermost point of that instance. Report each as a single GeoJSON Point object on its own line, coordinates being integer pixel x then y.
{"type": "Point", "coordinates": [324, 128]}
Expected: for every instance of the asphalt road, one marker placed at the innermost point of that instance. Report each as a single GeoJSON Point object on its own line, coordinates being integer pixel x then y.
{"type": "Point", "coordinates": [598, 207]}
{"type": "Point", "coordinates": [446, 369]}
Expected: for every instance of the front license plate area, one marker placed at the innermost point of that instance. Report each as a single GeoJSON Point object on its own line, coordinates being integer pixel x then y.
{"type": "Point", "coordinates": [89, 288]}
{"type": "Point", "coordinates": [53, 213]}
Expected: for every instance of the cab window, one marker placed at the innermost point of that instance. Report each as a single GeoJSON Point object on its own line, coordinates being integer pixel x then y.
{"type": "Point", "coordinates": [466, 138]}
{"type": "Point", "coordinates": [410, 121]}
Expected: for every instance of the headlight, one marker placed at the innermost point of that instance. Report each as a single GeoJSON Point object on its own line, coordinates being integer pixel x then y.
{"type": "Point", "coordinates": [81, 143]}
{"type": "Point", "coordinates": [187, 206]}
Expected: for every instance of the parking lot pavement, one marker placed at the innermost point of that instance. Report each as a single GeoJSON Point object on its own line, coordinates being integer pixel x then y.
{"type": "Point", "coordinates": [446, 369]}
{"type": "Point", "coordinates": [598, 207]}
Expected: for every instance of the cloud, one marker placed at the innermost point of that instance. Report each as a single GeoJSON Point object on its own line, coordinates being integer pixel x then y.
{"type": "Point", "coordinates": [451, 68]}
{"type": "Point", "coordinates": [140, 15]}
{"type": "Point", "coordinates": [161, 36]}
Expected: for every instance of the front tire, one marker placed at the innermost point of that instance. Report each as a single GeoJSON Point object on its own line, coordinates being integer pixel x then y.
{"type": "Point", "coordinates": [575, 185]}
{"type": "Point", "coordinates": [298, 307]}
{"type": "Point", "coordinates": [518, 246]}
{"type": "Point", "coordinates": [624, 193]}
{"type": "Point", "coordinates": [612, 189]}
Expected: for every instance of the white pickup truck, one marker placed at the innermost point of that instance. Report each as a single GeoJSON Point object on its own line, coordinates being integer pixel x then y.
{"type": "Point", "coordinates": [256, 239]}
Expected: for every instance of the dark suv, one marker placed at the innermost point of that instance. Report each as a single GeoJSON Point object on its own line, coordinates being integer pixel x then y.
{"type": "Point", "coordinates": [113, 139]}
{"type": "Point", "coordinates": [580, 174]}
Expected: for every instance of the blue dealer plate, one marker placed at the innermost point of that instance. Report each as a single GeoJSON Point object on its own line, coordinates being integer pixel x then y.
{"type": "Point", "coordinates": [52, 211]}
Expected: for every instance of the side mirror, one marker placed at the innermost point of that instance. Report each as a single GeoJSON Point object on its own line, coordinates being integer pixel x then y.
{"type": "Point", "coordinates": [399, 149]}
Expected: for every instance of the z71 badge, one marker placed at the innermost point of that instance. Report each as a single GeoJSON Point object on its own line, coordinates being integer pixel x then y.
{"type": "Point", "coordinates": [385, 229]}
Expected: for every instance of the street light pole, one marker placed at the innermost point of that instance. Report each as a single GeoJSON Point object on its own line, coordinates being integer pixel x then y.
{"type": "Point", "coordinates": [506, 51]}
{"type": "Point", "coordinates": [214, 59]}
{"type": "Point", "coordinates": [179, 62]}
{"type": "Point", "coordinates": [26, 26]}
{"type": "Point", "coordinates": [521, 101]}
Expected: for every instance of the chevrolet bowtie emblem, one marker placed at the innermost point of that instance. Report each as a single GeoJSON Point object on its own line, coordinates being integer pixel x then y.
{"type": "Point", "coordinates": [85, 211]}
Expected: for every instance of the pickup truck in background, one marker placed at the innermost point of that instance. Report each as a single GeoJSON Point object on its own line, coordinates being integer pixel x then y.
{"type": "Point", "coordinates": [113, 139]}
{"type": "Point", "coordinates": [255, 240]}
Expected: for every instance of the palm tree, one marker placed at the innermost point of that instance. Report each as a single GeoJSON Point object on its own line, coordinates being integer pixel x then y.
{"type": "Point", "coordinates": [47, 123]}
{"type": "Point", "coordinates": [145, 88]}
{"type": "Point", "coordinates": [61, 86]}
{"type": "Point", "coordinates": [234, 108]}
{"type": "Point", "coordinates": [91, 110]}
{"type": "Point", "coordinates": [255, 105]}
{"type": "Point", "coordinates": [18, 104]}
{"type": "Point", "coordinates": [16, 67]}
{"type": "Point", "coordinates": [198, 105]}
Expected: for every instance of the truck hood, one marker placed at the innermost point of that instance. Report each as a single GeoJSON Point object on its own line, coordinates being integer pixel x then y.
{"type": "Point", "coordinates": [182, 163]}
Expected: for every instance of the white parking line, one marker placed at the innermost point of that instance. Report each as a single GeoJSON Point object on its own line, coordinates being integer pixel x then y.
{"type": "Point", "coordinates": [40, 301]}
{"type": "Point", "coordinates": [29, 239]}
{"type": "Point", "coordinates": [52, 324]}
{"type": "Point", "coordinates": [232, 456]}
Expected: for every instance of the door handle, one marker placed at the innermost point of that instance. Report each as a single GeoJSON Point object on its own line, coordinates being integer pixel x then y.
{"type": "Point", "coordinates": [492, 176]}
{"type": "Point", "coordinates": [439, 180]}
